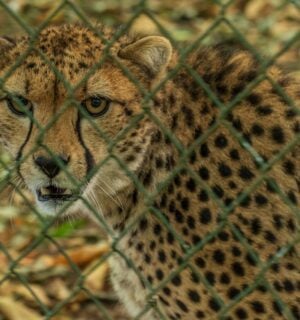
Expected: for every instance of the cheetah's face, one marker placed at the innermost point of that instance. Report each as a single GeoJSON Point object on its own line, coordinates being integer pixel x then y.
{"type": "Point", "coordinates": [63, 133]}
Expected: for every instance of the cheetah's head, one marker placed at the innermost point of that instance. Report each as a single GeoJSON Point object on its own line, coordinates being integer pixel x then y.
{"type": "Point", "coordinates": [66, 109]}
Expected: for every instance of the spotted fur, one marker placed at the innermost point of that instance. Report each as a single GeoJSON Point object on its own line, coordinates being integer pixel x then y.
{"type": "Point", "coordinates": [187, 212]}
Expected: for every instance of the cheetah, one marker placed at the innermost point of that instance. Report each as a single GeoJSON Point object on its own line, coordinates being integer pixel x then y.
{"type": "Point", "coordinates": [197, 183]}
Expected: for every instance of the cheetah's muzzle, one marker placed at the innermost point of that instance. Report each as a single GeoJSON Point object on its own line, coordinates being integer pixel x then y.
{"type": "Point", "coordinates": [54, 193]}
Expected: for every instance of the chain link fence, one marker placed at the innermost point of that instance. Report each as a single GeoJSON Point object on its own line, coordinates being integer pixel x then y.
{"type": "Point", "coordinates": [79, 287]}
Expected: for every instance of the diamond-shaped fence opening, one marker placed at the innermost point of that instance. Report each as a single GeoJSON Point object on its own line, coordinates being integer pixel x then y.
{"type": "Point", "coordinates": [58, 270]}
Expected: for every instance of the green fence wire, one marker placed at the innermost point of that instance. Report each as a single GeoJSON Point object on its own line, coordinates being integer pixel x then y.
{"type": "Point", "coordinates": [185, 153]}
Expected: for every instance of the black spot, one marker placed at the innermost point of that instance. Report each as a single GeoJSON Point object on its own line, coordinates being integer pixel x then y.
{"type": "Point", "coordinates": [166, 291]}
{"type": "Point", "coordinates": [185, 203]}
{"type": "Point", "coordinates": [191, 185]}
{"type": "Point", "coordinates": [258, 307]}
{"type": "Point", "coordinates": [171, 188]}
{"type": "Point", "coordinates": [289, 167]}
{"type": "Point", "coordinates": [277, 134]}
{"type": "Point", "coordinates": [241, 313]}
{"type": "Point", "coordinates": [224, 170]}
{"type": "Point", "coordinates": [219, 256]}
{"type": "Point", "coordinates": [228, 201]}
{"type": "Point", "coordinates": [179, 216]}
{"type": "Point", "coordinates": [223, 236]}
{"type": "Point", "coordinates": [288, 286]}
{"type": "Point", "coordinates": [255, 226]}
{"type": "Point", "coordinates": [221, 141]}
{"type": "Point", "coordinates": [248, 76]}
{"type": "Point", "coordinates": [174, 121]}
{"type": "Point", "coordinates": [254, 99]}
{"type": "Point", "coordinates": [262, 288]}
{"type": "Point", "coordinates": [237, 89]}
{"type": "Point", "coordinates": [245, 173]}
{"type": "Point", "coordinates": [196, 239]}
{"type": "Point", "coordinates": [128, 112]}
{"type": "Point", "coordinates": [193, 296]}
{"type": "Point", "coordinates": [157, 229]}
{"type": "Point", "coordinates": [270, 236]}
{"type": "Point", "coordinates": [176, 280]}
{"type": "Point", "coordinates": [204, 109]}
{"type": "Point", "coordinates": [275, 267]}
{"type": "Point", "coordinates": [200, 262]}
{"type": "Point", "coordinates": [237, 124]}
{"type": "Point", "coordinates": [195, 277]}
{"type": "Point", "coordinates": [188, 116]}
{"type": "Point", "coordinates": [182, 306]}
{"type": "Point", "coordinates": [232, 292]}
{"type": "Point", "coordinates": [130, 158]}
{"type": "Point", "coordinates": [234, 154]}
{"type": "Point", "coordinates": [224, 278]}
{"type": "Point", "coordinates": [291, 225]}
{"type": "Point", "coordinates": [210, 277]}
{"type": "Point", "coordinates": [148, 178]}
{"type": "Point", "coordinates": [143, 224]}
{"type": "Point", "coordinates": [236, 251]}
{"type": "Point", "coordinates": [164, 301]}
{"type": "Point", "coordinates": [197, 134]}
{"type": "Point", "coordinates": [200, 314]}
{"type": "Point", "coordinates": [152, 245]}
{"type": "Point", "coordinates": [163, 201]}
{"type": "Point", "coordinates": [150, 279]}
{"type": "Point", "coordinates": [257, 130]}
{"type": "Point", "coordinates": [170, 238]}
{"type": "Point", "coordinates": [218, 191]}
{"type": "Point", "coordinates": [264, 110]}
{"type": "Point", "coordinates": [193, 157]}
{"type": "Point", "coordinates": [251, 260]}
{"type": "Point", "coordinates": [156, 137]}
{"type": "Point", "coordinates": [204, 150]}
{"type": "Point", "coordinates": [203, 173]}
{"type": "Point", "coordinates": [277, 285]}
{"type": "Point", "coordinates": [147, 258]}
{"type": "Point", "coordinates": [159, 274]}
{"type": "Point", "coordinates": [260, 199]}
{"type": "Point", "coordinates": [246, 201]}
{"type": "Point", "coordinates": [296, 127]}
{"type": "Point", "coordinates": [135, 196]}
{"type": "Point", "coordinates": [191, 222]}
{"type": "Point", "coordinates": [238, 269]}
{"type": "Point", "coordinates": [232, 185]}
{"type": "Point", "coordinates": [203, 196]}
{"type": "Point", "coordinates": [214, 304]}
{"type": "Point", "coordinates": [296, 312]}
{"type": "Point", "coordinates": [292, 197]}
{"type": "Point", "coordinates": [140, 246]}
{"type": "Point", "coordinates": [172, 206]}
{"type": "Point", "coordinates": [205, 216]}
{"type": "Point", "coordinates": [177, 181]}
{"type": "Point", "coordinates": [161, 256]}
{"type": "Point", "coordinates": [290, 113]}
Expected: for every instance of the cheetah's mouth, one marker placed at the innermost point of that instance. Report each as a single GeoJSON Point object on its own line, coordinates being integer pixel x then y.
{"type": "Point", "coordinates": [55, 193]}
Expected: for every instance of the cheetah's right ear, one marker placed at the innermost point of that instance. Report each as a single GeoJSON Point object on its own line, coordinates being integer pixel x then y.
{"type": "Point", "coordinates": [152, 52]}
{"type": "Point", "coordinates": [6, 43]}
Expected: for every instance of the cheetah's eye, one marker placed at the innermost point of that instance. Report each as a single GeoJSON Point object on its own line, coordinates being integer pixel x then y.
{"type": "Point", "coordinates": [96, 106]}
{"type": "Point", "coordinates": [19, 105]}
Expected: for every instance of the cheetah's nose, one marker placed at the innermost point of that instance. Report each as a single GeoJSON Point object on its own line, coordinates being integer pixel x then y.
{"type": "Point", "coordinates": [49, 165]}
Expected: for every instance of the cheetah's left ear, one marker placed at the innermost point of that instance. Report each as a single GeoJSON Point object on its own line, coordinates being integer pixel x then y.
{"type": "Point", "coordinates": [152, 53]}
{"type": "Point", "coordinates": [6, 43]}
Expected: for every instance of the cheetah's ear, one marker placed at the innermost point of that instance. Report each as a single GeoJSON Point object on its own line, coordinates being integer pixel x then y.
{"type": "Point", "coordinates": [152, 53]}
{"type": "Point", "coordinates": [6, 43]}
